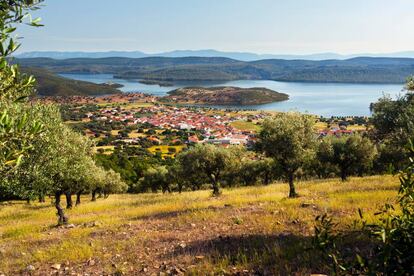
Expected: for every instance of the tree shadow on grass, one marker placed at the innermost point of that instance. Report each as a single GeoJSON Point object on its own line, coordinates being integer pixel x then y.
{"type": "Point", "coordinates": [176, 213]}
{"type": "Point", "coordinates": [283, 254]}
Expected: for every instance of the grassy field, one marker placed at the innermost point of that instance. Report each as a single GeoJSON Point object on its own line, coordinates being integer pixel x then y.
{"type": "Point", "coordinates": [164, 150]}
{"type": "Point", "coordinates": [246, 230]}
{"type": "Point", "coordinates": [244, 125]}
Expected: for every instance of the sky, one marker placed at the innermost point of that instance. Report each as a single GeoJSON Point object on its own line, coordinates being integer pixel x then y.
{"type": "Point", "coordinates": [260, 26]}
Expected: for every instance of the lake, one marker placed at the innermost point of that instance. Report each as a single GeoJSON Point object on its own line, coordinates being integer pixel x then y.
{"type": "Point", "coordinates": [324, 99]}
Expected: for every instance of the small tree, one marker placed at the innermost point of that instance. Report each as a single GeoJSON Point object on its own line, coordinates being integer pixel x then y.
{"type": "Point", "coordinates": [206, 163]}
{"type": "Point", "coordinates": [350, 154]}
{"type": "Point", "coordinates": [290, 140]}
{"type": "Point", "coordinates": [155, 178]}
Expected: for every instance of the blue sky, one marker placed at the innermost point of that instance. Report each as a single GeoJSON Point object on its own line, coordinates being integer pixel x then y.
{"type": "Point", "coordinates": [261, 26]}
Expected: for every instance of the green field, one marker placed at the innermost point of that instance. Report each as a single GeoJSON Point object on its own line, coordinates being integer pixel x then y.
{"type": "Point", "coordinates": [253, 229]}
{"type": "Point", "coordinates": [244, 125]}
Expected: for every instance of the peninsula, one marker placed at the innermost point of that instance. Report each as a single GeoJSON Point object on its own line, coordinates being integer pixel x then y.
{"type": "Point", "coordinates": [224, 96]}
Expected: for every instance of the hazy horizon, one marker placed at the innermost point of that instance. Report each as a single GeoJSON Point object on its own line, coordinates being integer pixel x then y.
{"type": "Point", "coordinates": [298, 27]}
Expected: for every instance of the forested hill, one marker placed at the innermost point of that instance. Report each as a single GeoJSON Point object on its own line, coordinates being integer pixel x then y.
{"type": "Point", "coordinates": [356, 70]}
{"type": "Point", "coordinates": [50, 84]}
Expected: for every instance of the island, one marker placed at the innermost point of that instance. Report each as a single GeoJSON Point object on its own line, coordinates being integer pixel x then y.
{"type": "Point", "coordinates": [227, 95]}
{"type": "Point", "coordinates": [157, 82]}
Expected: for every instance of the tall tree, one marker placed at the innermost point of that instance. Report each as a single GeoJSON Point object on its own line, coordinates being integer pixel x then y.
{"type": "Point", "coordinates": [289, 138]}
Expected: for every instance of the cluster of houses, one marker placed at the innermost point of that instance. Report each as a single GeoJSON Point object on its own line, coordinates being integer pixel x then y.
{"type": "Point", "coordinates": [216, 129]}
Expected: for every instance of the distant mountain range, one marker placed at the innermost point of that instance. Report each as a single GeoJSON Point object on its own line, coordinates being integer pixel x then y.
{"type": "Point", "coordinates": [167, 69]}
{"type": "Point", "coordinates": [243, 56]}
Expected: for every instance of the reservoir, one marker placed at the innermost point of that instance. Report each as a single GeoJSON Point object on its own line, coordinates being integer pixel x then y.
{"type": "Point", "coordinates": [324, 99]}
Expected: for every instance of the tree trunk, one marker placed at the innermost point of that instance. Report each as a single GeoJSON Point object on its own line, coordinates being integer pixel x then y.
{"type": "Point", "coordinates": [292, 190]}
{"type": "Point", "coordinates": [266, 179]}
{"type": "Point", "coordinates": [343, 175]}
{"type": "Point", "coordinates": [42, 198]}
{"type": "Point", "coordinates": [78, 198]}
{"type": "Point", "coordinates": [69, 202]}
{"type": "Point", "coordinates": [94, 195]}
{"type": "Point", "coordinates": [62, 219]}
{"type": "Point", "coordinates": [216, 188]}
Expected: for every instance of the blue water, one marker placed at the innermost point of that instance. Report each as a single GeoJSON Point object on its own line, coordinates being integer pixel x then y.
{"type": "Point", "coordinates": [325, 99]}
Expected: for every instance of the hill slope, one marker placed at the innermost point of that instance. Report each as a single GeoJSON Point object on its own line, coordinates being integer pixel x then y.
{"type": "Point", "coordinates": [253, 229]}
{"type": "Point", "coordinates": [50, 84]}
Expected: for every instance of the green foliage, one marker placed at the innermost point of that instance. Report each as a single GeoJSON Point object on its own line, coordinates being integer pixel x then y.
{"type": "Point", "coordinates": [206, 163]}
{"type": "Point", "coordinates": [16, 132]}
{"type": "Point", "coordinates": [391, 239]}
{"type": "Point", "coordinates": [290, 140]}
{"type": "Point", "coordinates": [350, 154]}
{"type": "Point", "coordinates": [162, 69]}
{"type": "Point", "coordinates": [393, 122]}
{"type": "Point", "coordinates": [156, 178]}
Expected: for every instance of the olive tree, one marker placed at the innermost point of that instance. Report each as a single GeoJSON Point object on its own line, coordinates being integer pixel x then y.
{"type": "Point", "coordinates": [393, 127]}
{"type": "Point", "coordinates": [289, 139]}
{"type": "Point", "coordinates": [16, 132]}
{"type": "Point", "coordinates": [113, 184]}
{"type": "Point", "coordinates": [350, 154]}
{"type": "Point", "coordinates": [206, 163]}
{"type": "Point", "coordinates": [156, 177]}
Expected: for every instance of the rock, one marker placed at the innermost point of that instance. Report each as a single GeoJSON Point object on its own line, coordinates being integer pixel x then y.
{"type": "Point", "coordinates": [200, 257]}
{"type": "Point", "coordinates": [69, 226]}
{"type": "Point", "coordinates": [56, 266]}
{"type": "Point", "coordinates": [91, 262]}
{"type": "Point", "coordinates": [182, 245]}
{"type": "Point", "coordinates": [30, 268]}
{"type": "Point", "coordinates": [193, 225]}
{"type": "Point", "coordinates": [176, 271]}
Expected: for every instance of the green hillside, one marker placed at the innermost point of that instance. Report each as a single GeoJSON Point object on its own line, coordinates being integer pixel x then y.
{"type": "Point", "coordinates": [50, 84]}
{"type": "Point", "coordinates": [356, 70]}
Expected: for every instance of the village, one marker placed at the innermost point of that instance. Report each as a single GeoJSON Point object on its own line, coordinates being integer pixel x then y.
{"type": "Point", "coordinates": [139, 120]}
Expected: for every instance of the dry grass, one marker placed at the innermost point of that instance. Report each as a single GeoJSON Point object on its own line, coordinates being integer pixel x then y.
{"type": "Point", "coordinates": [164, 150]}
{"type": "Point", "coordinates": [244, 229]}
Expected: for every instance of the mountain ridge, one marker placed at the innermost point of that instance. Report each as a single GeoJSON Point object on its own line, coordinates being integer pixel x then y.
{"type": "Point", "coordinates": [243, 56]}
{"type": "Point", "coordinates": [354, 70]}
